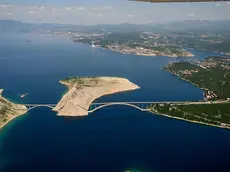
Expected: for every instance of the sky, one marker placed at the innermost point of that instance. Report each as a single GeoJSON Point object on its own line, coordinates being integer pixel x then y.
{"type": "Point", "coordinates": [91, 12]}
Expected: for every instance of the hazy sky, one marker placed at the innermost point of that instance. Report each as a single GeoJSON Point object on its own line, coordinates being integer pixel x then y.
{"type": "Point", "coordinates": [109, 11]}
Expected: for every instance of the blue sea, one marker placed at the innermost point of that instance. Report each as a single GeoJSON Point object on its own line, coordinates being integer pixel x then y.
{"type": "Point", "coordinates": [113, 139]}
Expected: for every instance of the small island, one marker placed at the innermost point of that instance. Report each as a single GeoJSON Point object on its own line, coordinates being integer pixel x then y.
{"type": "Point", "coordinates": [213, 76]}
{"type": "Point", "coordinates": [84, 90]}
{"type": "Point", "coordinates": [9, 110]}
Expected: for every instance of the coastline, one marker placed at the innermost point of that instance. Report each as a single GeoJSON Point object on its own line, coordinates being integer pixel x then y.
{"type": "Point", "coordinates": [190, 121]}
{"type": "Point", "coordinates": [179, 118]}
{"type": "Point", "coordinates": [10, 120]}
{"type": "Point", "coordinates": [146, 55]}
{"type": "Point", "coordinates": [12, 117]}
{"type": "Point", "coordinates": [204, 89]}
{"type": "Point", "coordinates": [216, 52]}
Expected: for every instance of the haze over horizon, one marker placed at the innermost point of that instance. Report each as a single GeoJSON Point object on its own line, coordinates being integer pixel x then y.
{"type": "Point", "coordinates": [91, 12]}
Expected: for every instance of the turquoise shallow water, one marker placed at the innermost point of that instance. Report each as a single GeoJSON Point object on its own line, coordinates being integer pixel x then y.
{"type": "Point", "coordinates": [112, 139]}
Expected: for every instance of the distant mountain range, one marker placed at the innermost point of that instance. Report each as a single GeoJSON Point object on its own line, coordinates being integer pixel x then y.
{"type": "Point", "coordinates": [12, 26]}
{"type": "Point", "coordinates": [17, 26]}
{"type": "Point", "coordinates": [197, 25]}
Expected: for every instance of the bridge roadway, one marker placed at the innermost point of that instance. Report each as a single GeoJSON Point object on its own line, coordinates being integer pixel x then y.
{"type": "Point", "coordinates": [142, 106]}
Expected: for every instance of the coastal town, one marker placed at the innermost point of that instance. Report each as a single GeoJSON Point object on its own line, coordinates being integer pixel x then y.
{"type": "Point", "coordinates": [128, 50]}
{"type": "Point", "coordinates": [146, 51]}
{"type": "Point", "coordinates": [138, 43]}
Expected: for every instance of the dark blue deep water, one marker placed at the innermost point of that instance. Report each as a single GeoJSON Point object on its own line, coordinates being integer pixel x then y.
{"type": "Point", "coordinates": [113, 139]}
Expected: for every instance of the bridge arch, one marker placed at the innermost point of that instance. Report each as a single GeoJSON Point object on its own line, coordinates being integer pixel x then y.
{"type": "Point", "coordinates": [37, 106]}
{"type": "Point", "coordinates": [112, 104]}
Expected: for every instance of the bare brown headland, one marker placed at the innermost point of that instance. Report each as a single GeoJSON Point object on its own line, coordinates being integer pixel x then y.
{"type": "Point", "coordinates": [9, 110]}
{"type": "Point", "coordinates": [84, 90]}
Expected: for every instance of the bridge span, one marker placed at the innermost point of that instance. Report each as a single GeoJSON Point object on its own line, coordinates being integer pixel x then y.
{"type": "Point", "coordinates": [142, 106]}
{"type": "Point", "coordinates": [33, 106]}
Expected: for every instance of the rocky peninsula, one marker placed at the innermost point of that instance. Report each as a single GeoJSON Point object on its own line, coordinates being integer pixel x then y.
{"type": "Point", "coordinates": [9, 110]}
{"type": "Point", "coordinates": [84, 90]}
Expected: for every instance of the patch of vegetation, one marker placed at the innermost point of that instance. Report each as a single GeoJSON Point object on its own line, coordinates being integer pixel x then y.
{"type": "Point", "coordinates": [8, 108]}
{"type": "Point", "coordinates": [82, 80]}
{"type": "Point", "coordinates": [213, 74]}
{"type": "Point", "coordinates": [178, 66]}
{"type": "Point", "coordinates": [216, 114]}
{"type": "Point", "coordinates": [5, 109]}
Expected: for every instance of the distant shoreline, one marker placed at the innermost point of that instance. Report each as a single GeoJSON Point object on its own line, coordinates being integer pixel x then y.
{"type": "Point", "coordinates": [146, 55]}
{"type": "Point", "coordinates": [196, 49]}
{"type": "Point", "coordinates": [216, 52]}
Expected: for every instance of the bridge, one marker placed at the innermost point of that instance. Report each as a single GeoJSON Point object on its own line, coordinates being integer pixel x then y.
{"type": "Point", "coordinates": [142, 106]}
{"type": "Point", "coordinates": [33, 106]}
